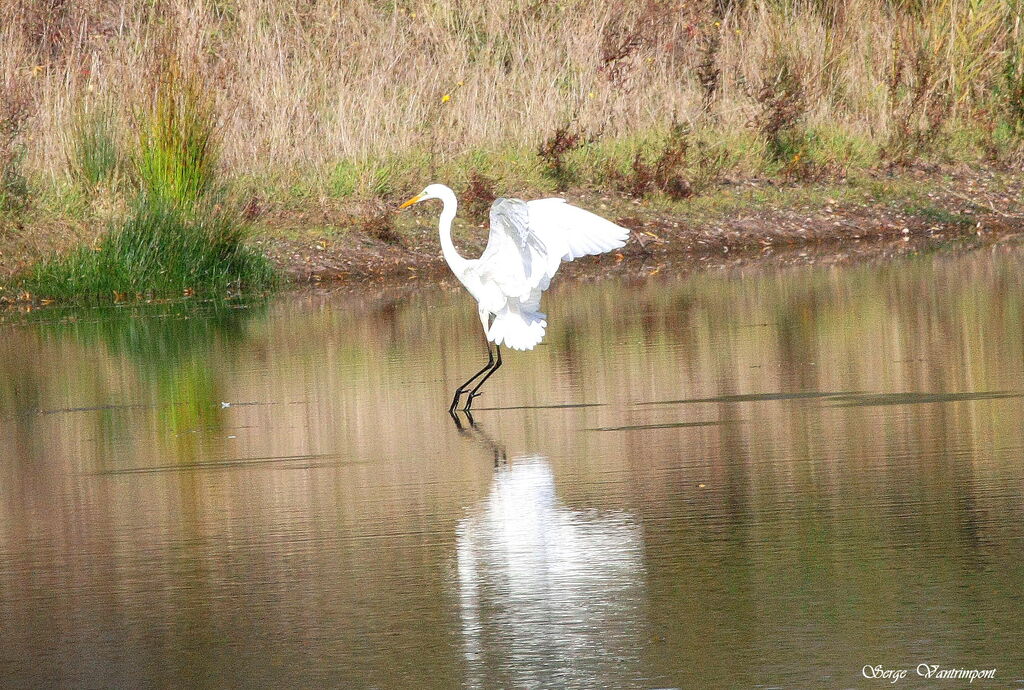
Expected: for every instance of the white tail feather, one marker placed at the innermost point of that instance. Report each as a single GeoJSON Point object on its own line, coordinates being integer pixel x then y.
{"type": "Point", "coordinates": [517, 329]}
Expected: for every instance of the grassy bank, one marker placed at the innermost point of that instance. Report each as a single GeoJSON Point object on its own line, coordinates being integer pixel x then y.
{"type": "Point", "coordinates": [159, 251]}
{"type": "Point", "coordinates": [327, 113]}
{"type": "Point", "coordinates": [179, 235]}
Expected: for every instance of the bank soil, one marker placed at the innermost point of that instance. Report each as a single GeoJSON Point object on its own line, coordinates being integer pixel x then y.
{"type": "Point", "coordinates": [880, 214]}
{"type": "Point", "coordinates": [749, 222]}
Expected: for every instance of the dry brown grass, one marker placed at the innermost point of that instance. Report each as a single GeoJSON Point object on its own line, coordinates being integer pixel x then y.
{"type": "Point", "coordinates": [14, 113]}
{"type": "Point", "coordinates": [301, 86]}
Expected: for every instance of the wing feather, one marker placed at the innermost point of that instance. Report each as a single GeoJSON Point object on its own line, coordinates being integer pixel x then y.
{"type": "Point", "coordinates": [529, 240]}
{"type": "Point", "coordinates": [515, 258]}
{"type": "Point", "coordinates": [570, 232]}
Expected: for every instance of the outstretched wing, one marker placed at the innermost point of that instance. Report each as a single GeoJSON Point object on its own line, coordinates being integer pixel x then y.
{"type": "Point", "coordinates": [569, 232]}
{"type": "Point", "coordinates": [515, 258]}
{"type": "Point", "coordinates": [527, 243]}
{"type": "Point", "coordinates": [529, 240]}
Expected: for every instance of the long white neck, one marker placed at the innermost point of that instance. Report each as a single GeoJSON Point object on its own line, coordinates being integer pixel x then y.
{"type": "Point", "coordinates": [444, 228]}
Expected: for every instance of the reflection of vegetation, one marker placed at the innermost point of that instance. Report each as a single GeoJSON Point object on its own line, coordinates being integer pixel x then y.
{"type": "Point", "coordinates": [169, 346]}
{"type": "Point", "coordinates": [763, 501]}
{"type": "Point", "coordinates": [155, 336]}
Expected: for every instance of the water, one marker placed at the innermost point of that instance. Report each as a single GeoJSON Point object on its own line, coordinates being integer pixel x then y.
{"type": "Point", "coordinates": [724, 480]}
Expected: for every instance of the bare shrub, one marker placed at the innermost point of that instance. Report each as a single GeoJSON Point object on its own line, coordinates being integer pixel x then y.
{"type": "Point", "coordinates": [478, 196]}
{"type": "Point", "coordinates": [921, 103]}
{"type": "Point", "coordinates": [782, 102]}
{"type": "Point", "coordinates": [709, 160]}
{"type": "Point", "coordinates": [943, 64]}
{"type": "Point", "coordinates": [666, 173]}
{"type": "Point", "coordinates": [685, 165]}
{"type": "Point", "coordinates": [554, 150]}
{"type": "Point", "coordinates": [50, 26]}
{"type": "Point", "coordinates": [631, 33]}
{"type": "Point", "coordinates": [379, 223]}
{"type": "Point", "coordinates": [709, 73]}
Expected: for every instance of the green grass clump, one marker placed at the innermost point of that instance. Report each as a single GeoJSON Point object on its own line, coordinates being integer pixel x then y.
{"type": "Point", "coordinates": [177, 239]}
{"type": "Point", "coordinates": [159, 251]}
{"type": "Point", "coordinates": [345, 179]}
{"type": "Point", "coordinates": [177, 149]}
{"type": "Point", "coordinates": [382, 177]}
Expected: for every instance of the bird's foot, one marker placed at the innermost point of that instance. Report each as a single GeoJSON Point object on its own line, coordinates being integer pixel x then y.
{"type": "Point", "coordinates": [458, 422]}
{"type": "Point", "coordinates": [469, 401]}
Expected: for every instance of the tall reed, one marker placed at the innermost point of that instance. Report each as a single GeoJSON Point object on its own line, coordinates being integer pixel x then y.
{"type": "Point", "coordinates": [94, 153]}
{"type": "Point", "coordinates": [177, 149]}
{"type": "Point", "coordinates": [14, 112]}
{"type": "Point", "coordinates": [299, 88]}
{"type": "Point", "coordinates": [179, 236]}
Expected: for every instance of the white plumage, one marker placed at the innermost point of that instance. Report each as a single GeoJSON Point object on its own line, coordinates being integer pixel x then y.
{"type": "Point", "coordinates": [528, 241]}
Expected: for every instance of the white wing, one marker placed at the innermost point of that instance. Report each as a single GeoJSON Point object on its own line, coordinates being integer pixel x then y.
{"type": "Point", "coordinates": [570, 232]}
{"type": "Point", "coordinates": [515, 259]}
{"type": "Point", "coordinates": [529, 240]}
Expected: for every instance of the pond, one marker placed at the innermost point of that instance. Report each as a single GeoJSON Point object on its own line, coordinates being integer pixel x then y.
{"type": "Point", "coordinates": [736, 478]}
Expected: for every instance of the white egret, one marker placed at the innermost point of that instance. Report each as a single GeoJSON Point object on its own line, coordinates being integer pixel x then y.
{"type": "Point", "coordinates": [527, 242]}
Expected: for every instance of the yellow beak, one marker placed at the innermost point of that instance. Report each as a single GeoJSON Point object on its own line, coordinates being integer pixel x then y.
{"type": "Point", "coordinates": [411, 201]}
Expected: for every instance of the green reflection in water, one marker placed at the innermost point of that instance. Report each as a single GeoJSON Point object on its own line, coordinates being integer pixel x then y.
{"type": "Point", "coordinates": [171, 384]}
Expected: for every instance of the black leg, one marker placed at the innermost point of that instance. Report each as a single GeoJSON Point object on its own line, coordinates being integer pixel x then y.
{"type": "Point", "coordinates": [458, 422]}
{"type": "Point", "coordinates": [464, 387]}
{"type": "Point", "coordinates": [474, 393]}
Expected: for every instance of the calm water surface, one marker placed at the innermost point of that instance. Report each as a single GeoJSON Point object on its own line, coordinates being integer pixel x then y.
{"type": "Point", "coordinates": [723, 480]}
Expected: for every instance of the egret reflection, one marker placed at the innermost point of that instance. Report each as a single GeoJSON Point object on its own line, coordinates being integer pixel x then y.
{"type": "Point", "coordinates": [547, 593]}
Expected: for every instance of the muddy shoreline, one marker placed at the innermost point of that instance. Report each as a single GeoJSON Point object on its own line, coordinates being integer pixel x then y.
{"type": "Point", "coordinates": [970, 209]}
{"type": "Point", "coordinates": [327, 245]}
{"type": "Point", "coordinates": [642, 266]}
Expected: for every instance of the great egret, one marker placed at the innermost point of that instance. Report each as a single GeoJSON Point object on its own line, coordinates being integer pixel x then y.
{"type": "Point", "coordinates": [527, 242]}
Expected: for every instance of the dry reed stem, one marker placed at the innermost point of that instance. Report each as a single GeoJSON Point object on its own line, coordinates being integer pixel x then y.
{"type": "Point", "coordinates": [299, 87]}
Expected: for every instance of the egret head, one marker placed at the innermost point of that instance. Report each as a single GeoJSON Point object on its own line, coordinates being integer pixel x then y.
{"type": "Point", "coordinates": [433, 191]}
